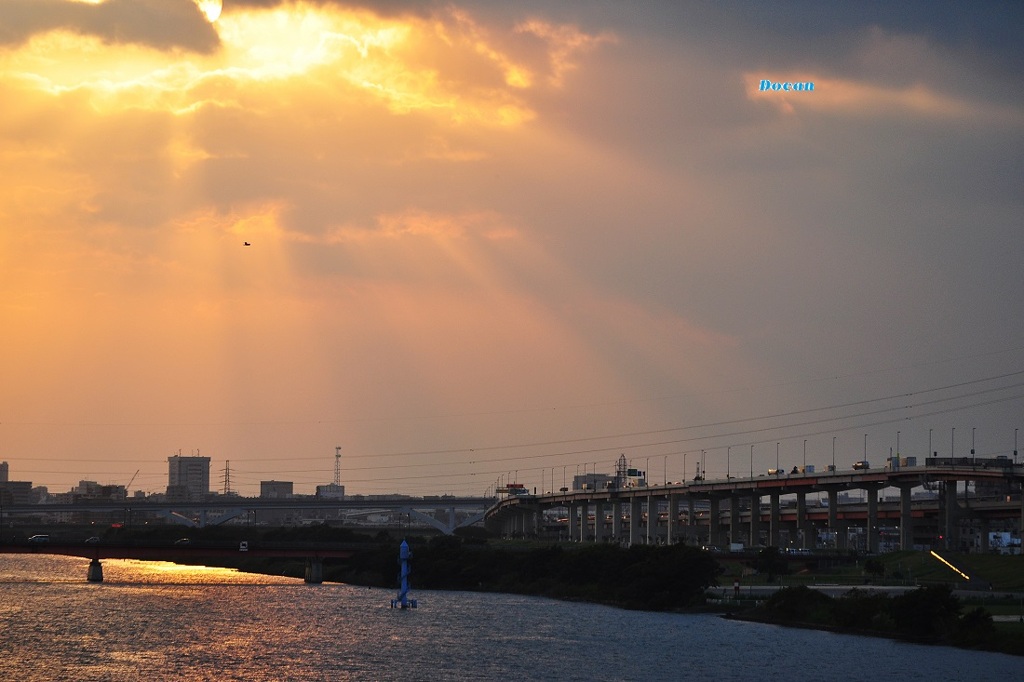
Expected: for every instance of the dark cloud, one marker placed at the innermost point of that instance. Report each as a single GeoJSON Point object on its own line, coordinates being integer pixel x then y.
{"type": "Point", "coordinates": [162, 24]}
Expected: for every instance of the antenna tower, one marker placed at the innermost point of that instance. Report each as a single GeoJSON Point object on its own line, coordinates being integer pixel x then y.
{"type": "Point", "coordinates": [337, 465]}
{"type": "Point", "coordinates": [621, 472]}
{"type": "Point", "coordinates": [227, 476]}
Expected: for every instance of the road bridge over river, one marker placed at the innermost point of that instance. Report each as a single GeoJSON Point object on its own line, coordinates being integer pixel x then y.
{"type": "Point", "coordinates": [220, 509]}
{"type": "Point", "coordinates": [963, 499]}
{"type": "Point", "coordinates": [96, 550]}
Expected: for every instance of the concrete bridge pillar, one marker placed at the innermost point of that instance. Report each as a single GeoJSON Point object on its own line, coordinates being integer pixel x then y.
{"type": "Point", "coordinates": [634, 520]}
{"type": "Point", "coordinates": [672, 523]}
{"type": "Point", "coordinates": [838, 531]}
{"type": "Point", "coordinates": [651, 527]}
{"type": "Point", "coordinates": [775, 521]}
{"type": "Point", "coordinates": [950, 526]}
{"type": "Point", "coordinates": [734, 519]}
{"type": "Point", "coordinates": [527, 521]}
{"type": "Point", "coordinates": [584, 513]}
{"type": "Point", "coordinates": [985, 528]}
{"type": "Point", "coordinates": [802, 522]}
{"type": "Point", "coordinates": [906, 518]}
{"type": "Point", "coordinates": [314, 571]}
{"type": "Point", "coordinates": [95, 572]}
{"type": "Point", "coordinates": [715, 521]}
{"type": "Point", "coordinates": [872, 520]}
{"type": "Point", "coordinates": [691, 520]}
{"type": "Point", "coordinates": [616, 520]}
{"type": "Point", "coordinates": [755, 520]}
{"type": "Point", "coordinates": [598, 521]}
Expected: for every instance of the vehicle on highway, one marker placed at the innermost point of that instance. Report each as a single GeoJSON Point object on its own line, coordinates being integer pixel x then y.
{"type": "Point", "coordinates": [39, 539]}
{"type": "Point", "coordinates": [92, 541]}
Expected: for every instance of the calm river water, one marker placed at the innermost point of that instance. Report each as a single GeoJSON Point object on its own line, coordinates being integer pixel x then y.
{"type": "Point", "coordinates": [156, 621]}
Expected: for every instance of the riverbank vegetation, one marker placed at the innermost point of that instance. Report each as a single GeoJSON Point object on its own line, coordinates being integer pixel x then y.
{"type": "Point", "coordinates": [931, 615]}
{"type": "Point", "coordinates": [640, 577]}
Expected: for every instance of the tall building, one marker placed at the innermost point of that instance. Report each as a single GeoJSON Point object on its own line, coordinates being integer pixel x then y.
{"type": "Point", "coordinates": [188, 478]}
{"type": "Point", "coordinates": [3, 472]}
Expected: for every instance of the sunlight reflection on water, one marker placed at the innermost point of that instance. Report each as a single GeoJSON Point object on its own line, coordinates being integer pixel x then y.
{"type": "Point", "coordinates": [159, 621]}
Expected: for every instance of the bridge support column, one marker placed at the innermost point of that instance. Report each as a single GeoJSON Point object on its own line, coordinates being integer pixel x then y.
{"type": "Point", "coordinates": [715, 521]}
{"type": "Point", "coordinates": [584, 514]}
{"type": "Point", "coordinates": [838, 533]}
{"type": "Point", "coordinates": [949, 513]}
{"type": "Point", "coordinates": [650, 532]}
{"type": "Point", "coordinates": [535, 521]}
{"type": "Point", "coordinates": [802, 524]}
{"type": "Point", "coordinates": [734, 519]}
{"type": "Point", "coordinates": [617, 521]}
{"type": "Point", "coordinates": [985, 528]}
{"type": "Point", "coordinates": [906, 519]}
{"type": "Point", "coordinates": [672, 522]}
{"type": "Point", "coordinates": [314, 571]}
{"type": "Point", "coordinates": [872, 520]}
{"type": "Point", "coordinates": [95, 572]}
{"type": "Point", "coordinates": [598, 521]}
{"type": "Point", "coordinates": [755, 520]}
{"type": "Point", "coordinates": [691, 520]}
{"type": "Point", "coordinates": [634, 520]}
{"type": "Point", "coordinates": [775, 521]}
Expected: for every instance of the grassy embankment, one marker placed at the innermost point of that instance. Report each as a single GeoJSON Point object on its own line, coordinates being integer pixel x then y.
{"type": "Point", "coordinates": [931, 613]}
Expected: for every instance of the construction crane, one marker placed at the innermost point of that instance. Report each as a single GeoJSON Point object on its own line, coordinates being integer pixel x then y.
{"type": "Point", "coordinates": [131, 481]}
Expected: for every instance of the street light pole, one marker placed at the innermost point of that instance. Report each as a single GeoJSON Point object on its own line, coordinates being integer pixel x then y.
{"type": "Point", "coordinates": [776, 459]}
{"type": "Point", "coordinates": [728, 466]}
{"type": "Point", "coordinates": [805, 456]}
{"type": "Point", "coordinates": [833, 454]}
{"type": "Point", "coordinates": [751, 461]}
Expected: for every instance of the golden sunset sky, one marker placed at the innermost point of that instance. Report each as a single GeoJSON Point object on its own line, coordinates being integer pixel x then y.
{"type": "Point", "coordinates": [497, 240]}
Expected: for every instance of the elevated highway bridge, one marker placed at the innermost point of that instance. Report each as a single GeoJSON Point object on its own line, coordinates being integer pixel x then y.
{"type": "Point", "coordinates": [963, 499]}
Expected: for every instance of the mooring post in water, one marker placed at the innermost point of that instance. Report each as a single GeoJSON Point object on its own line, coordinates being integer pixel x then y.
{"type": "Point", "coordinates": [95, 572]}
{"type": "Point", "coordinates": [404, 560]}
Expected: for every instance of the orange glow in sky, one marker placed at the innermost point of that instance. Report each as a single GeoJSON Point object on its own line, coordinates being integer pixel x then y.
{"type": "Point", "coordinates": [483, 238]}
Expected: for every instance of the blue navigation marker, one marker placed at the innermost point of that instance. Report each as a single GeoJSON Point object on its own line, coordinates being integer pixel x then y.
{"type": "Point", "coordinates": [404, 557]}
